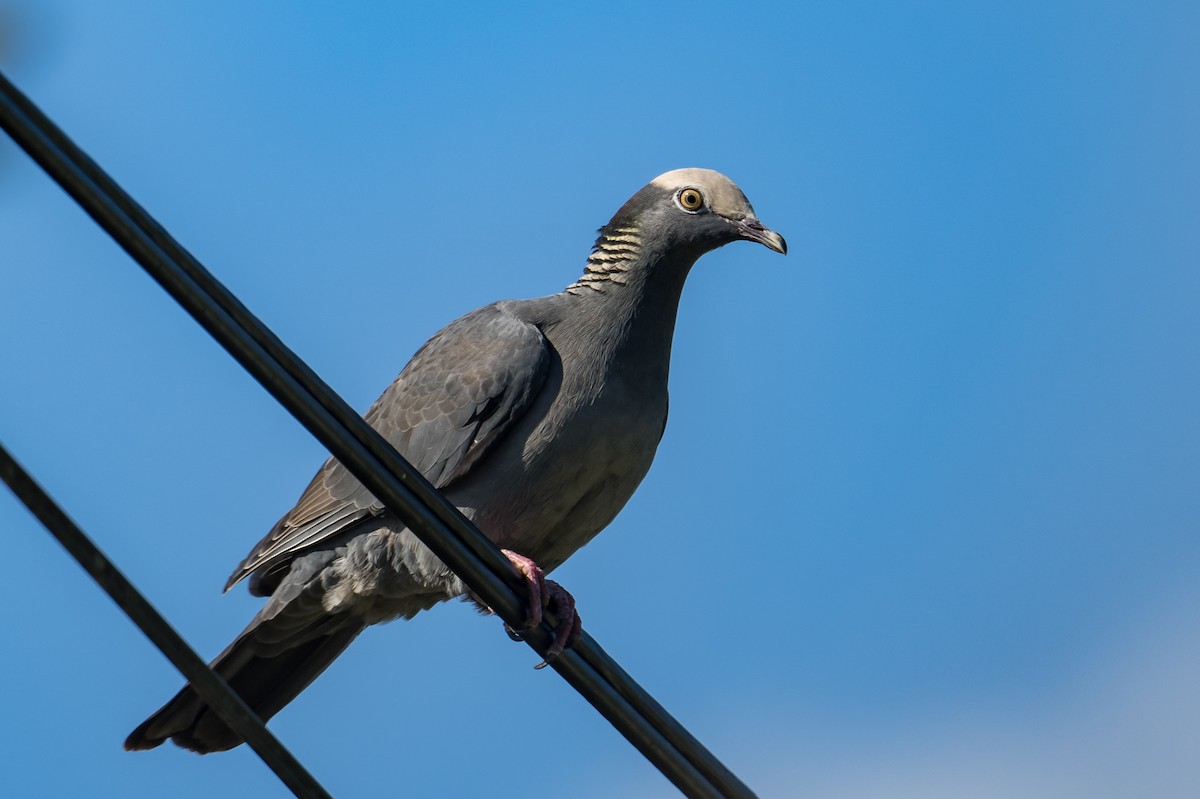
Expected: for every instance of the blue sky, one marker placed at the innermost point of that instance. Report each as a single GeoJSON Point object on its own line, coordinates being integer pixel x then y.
{"type": "Point", "coordinates": [924, 521]}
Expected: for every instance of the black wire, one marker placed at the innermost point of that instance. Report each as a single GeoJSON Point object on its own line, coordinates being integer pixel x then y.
{"type": "Point", "coordinates": [363, 451]}
{"type": "Point", "coordinates": [211, 687]}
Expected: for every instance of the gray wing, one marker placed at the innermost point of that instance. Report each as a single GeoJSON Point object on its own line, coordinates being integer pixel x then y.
{"type": "Point", "coordinates": [454, 400]}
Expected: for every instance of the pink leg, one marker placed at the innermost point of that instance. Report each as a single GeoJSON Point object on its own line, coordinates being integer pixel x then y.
{"type": "Point", "coordinates": [545, 593]}
{"type": "Point", "coordinates": [535, 580]}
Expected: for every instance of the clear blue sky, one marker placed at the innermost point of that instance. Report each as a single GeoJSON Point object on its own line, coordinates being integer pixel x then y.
{"type": "Point", "coordinates": [924, 521]}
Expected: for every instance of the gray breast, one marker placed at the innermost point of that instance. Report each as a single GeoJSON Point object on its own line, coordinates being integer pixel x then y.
{"type": "Point", "coordinates": [580, 453]}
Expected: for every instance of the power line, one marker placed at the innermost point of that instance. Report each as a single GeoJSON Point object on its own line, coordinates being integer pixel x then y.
{"type": "Point", "coordinates": [211, 687]}
{"type": "Point", "coordinates": [376, 464]}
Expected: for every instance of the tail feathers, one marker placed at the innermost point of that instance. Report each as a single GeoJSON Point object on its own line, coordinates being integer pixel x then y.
{"type": "Point", "coordinates": [265, 682]}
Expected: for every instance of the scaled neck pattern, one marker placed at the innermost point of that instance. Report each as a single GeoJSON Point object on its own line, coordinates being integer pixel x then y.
{"type": "Point", "coordinates": [614, 254]}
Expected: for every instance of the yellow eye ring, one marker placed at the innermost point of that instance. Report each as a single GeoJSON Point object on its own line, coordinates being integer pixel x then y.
{"type": "Point", "coordinates": [690, 199]}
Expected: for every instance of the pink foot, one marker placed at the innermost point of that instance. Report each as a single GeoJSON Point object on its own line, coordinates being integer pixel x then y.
{"type": "Point", "coordinates": [549, 595]}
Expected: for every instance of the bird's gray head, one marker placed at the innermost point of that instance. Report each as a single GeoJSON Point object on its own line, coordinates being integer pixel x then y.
{"type": "Point", "coordinates": [697, 208]}
{"type": "Point", "coordinates": [678, 216]}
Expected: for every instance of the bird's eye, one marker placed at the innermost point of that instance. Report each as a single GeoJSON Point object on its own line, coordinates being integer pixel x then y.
{"type": "Point", "coordinates": [690, 199]}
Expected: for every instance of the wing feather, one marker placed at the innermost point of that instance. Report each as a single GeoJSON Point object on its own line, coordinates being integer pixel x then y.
{"type": "Point", "coordinates": [454, 400]}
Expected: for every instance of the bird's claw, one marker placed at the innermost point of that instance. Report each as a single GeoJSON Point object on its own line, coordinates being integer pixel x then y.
{"type": "Point", "coordinates": [545, 595]}
{"type": "Point", "coordinates": [570, 626]}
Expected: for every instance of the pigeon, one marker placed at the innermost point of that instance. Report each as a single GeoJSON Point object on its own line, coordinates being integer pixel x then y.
{"type": "Point", "coordinates": [537, 418]}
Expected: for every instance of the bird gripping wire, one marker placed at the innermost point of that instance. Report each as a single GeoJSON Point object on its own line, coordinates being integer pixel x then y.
{"type": "Point", "coordinates": [376, 464]}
